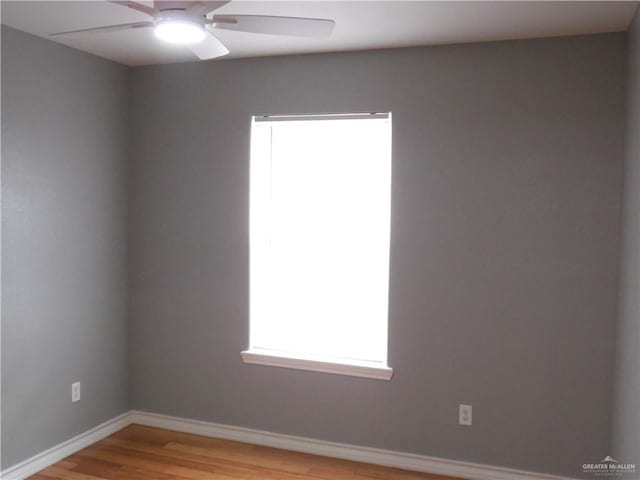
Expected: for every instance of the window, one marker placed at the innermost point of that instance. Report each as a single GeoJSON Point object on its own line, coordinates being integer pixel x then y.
{"type": "Point", "coordinates": [320, 226]}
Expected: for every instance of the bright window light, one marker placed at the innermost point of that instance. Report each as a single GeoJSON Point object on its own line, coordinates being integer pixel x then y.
{"type": "Point", "coordinates": [179, 32]}
{"type": "Point", "coordinates": [320, 227]}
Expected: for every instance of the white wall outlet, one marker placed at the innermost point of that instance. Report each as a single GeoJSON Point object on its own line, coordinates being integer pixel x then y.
{"type": "Point", "coordinates": [75, 392]}
{"type": "Point", "coordinates": [464, 414]}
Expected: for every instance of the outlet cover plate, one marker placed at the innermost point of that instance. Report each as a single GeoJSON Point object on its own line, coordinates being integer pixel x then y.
{"type": "Point", "coordinates": [75, 392]}
{"type": "Point", "coordinates": [465, 415]}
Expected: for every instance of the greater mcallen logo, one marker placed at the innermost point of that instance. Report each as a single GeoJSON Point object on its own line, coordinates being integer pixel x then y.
{"type": "Point", "coordinates": [609, 467]}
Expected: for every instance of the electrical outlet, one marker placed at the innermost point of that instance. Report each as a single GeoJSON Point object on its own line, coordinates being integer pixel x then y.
{"type": "Point", "coordinates": [464, 415]}
{"type": "Point", "coordinates": [75, 392]}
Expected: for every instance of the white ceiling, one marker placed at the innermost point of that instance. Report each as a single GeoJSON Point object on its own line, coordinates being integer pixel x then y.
{"type": "Point", "coordinates": [360, 25]}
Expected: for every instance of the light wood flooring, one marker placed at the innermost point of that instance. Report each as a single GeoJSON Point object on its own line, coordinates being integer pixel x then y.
{"type": "Point", "coordinates": [137, 453]}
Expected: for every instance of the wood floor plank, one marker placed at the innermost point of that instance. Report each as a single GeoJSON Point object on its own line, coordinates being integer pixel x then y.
{"type": "Point", "coordinates": [90, 466]}
{"type": "Point", "coordinates": [145, 453]}
{"type": "Point", "coordinates": [65, 474]}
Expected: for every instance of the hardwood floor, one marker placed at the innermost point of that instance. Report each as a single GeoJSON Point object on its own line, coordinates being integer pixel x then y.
{"type": "Point", "coordinates": [143, 453]}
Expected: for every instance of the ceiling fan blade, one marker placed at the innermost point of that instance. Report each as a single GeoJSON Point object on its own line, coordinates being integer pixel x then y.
{"type": "Point", "coordinates": [210, 6]}
{"type": "Point", "coordinates": [136, 6]}
{"type": "Point", "coordinates": [299, 27]}
{"type": "Point", "coordinates": [108, 28]}
{"type": "Point", "coordinates": [209, 48]}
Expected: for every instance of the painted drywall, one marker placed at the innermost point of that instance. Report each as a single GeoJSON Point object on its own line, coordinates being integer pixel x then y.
{"type": "Point", "coordinates": [507, 162]}
{"type": "Point", "coordinates": [64, 151]}
{"type": "Point", "coordinates": [626, 415]}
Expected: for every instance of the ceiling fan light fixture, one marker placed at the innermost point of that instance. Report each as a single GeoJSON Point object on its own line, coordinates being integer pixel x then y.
{"type": "Point", "coordinates": [185, 22]}
{"type": "Point", "coordinates": [181, 32]}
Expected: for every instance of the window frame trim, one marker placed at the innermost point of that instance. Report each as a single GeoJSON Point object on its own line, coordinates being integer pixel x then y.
{"type": "Point", "coordinates": [254, 355]}
{"type": "Point", "coordinates": [338, 366]}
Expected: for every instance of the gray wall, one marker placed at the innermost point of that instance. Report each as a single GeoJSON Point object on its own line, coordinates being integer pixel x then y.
{"type": "Point", "coordinates": [626, 427]}
{"type": "Point", "coordinates": [64, 149]}
{"type": "Point", "coordinates": [506, 193]}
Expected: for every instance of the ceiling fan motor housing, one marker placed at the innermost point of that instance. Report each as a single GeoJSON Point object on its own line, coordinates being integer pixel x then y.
{"type": "Point", "coordinates": [180, 16]}
{"type": "Point", "coordinates": [179, 26]}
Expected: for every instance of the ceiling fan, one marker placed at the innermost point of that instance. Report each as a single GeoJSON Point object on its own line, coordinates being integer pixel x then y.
{"type": "Point", "coordinates": [187, 23]}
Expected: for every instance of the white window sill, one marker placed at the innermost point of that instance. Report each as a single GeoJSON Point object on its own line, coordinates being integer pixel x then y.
{"type": "Point", "coordinates": [353, 368]}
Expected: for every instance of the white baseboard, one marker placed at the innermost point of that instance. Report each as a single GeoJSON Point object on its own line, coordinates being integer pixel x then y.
{"type": "Point", "coordinates": [47, 458]}
{"type": "Point", "coordinates": [407, 461]}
